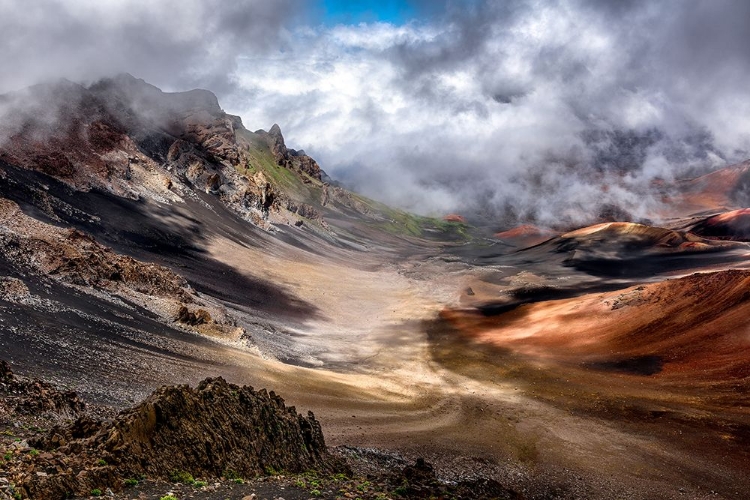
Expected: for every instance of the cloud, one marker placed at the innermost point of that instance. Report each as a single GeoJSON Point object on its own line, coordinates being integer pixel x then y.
{"type": "Point", "coordinates": [531, 110]}
{"type": "Point", "coordinates": [171, 43]}
{"type": "Point", "coordinates": [542, 110]}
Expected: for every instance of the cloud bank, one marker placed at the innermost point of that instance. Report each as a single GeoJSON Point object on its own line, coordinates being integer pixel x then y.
{"type": "Point", "coordinates": [541, 111]}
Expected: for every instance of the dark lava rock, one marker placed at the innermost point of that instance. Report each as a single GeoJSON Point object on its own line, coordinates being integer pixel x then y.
{"type": "Point", "coordinates": [419, 481]}
{"type": "Point", "coordinates": [34, 397]}
{"type": "Point", "coordinates": [217, 429]}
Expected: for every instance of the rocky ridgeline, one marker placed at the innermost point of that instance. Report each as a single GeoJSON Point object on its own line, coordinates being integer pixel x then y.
{"type": "Point", "coordinates": [217, 429]}
{"type": "Point", "coordinates": [126, 137]}
{"type": "Point", "coordinates": [290, 158]}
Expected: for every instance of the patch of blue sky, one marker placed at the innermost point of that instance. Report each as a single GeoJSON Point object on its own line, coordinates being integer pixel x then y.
{"type": "Point", "coordinates": [366, 11]}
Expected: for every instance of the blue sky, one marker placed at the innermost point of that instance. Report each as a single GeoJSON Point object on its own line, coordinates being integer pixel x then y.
{"type": "Point", "coordinates": [359, 11]}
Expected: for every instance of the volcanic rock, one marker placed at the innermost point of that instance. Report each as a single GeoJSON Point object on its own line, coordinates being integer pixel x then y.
{"type": "Point", "coordinates": [419, 481]}
{"type": "Point", "coordinates": [213, 184]}
{"type": "Point", "coordinates": [34, 397]}
{"type": "Point", "coordinates": [217, 429]}
{"type": "Point", "coordinates": [75, 257]}
{"type": "Point", "coordinates": [289, 158]}
{"type": "Point", "coordinates": [199, 317]}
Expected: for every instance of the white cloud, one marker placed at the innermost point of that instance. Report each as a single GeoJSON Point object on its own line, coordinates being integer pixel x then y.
{"type": "Point", "coordinates": [547, 109]}
{"type": "Point", "coordinates": [450, 115]}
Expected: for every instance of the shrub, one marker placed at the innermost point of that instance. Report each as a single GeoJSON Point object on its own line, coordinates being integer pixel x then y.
{"type": "Point", "coordinates": [230, 474]}
{"type": "Point", "coordinates": [180, 476]}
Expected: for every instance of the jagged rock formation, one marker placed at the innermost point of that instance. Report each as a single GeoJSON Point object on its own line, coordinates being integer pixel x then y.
{"type": "Point", "coordinates": [217, 429]}
{"type": "Point", "coordinates": [288, 157]}
{"type": "Point", "coordinates": [127, 137]}
{"type": "Point", "coordinates": [34, 397]}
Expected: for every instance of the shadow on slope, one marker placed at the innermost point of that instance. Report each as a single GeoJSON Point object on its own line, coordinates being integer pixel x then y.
{"type": "Point", "coordinates": [173, 235]}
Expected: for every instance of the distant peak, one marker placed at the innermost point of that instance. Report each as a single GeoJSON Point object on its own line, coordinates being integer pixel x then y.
{"type": "Point", "coordinates": [275, 130]}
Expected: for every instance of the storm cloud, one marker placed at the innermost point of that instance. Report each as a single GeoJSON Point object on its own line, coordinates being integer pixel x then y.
{"type": "Point", "coordinates": [536, 111]}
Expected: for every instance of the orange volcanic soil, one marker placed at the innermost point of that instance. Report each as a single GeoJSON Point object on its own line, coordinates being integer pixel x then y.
{"type": "Point", "coordinates": [687, 331]}
{"type": "Point", "coordinates": [526, 235]}
{"type": "Point", "coordinates": [454, 218]}
{"type": "Point", "coordinates": [734, 225]}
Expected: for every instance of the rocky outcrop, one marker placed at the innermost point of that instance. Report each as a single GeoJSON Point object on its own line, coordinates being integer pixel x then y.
{"type": "Point", "coordinates": [419, 481]}
{"type": "Point", "coordinates": [193, 318]}
{"type": "Point", "coordinates": [290, 158]}
{"type": "Point", "coordinates": [74, 257]}
{"type": "Point", "coordinates": [278, 147]}
{"type": "Point", "coordinates": [217, 429]}
{"type": "Point", "coordinates": [126, 137]}
{"type": "Point", "coordinates": [213, 183]}
{"type": "Point", "coordinates": [34, 397]}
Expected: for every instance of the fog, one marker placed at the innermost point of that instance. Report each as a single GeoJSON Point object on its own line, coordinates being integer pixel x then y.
{"type": "Point", "coordinates": [532, 111]}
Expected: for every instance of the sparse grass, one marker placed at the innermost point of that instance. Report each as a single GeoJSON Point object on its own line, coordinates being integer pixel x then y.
{"type": "Point", "coordinates": [168, 497]}
{"type": "Point", "coordinates": [200, 484]}
{"type": "Point", "coordinates": [131, 482]}
{"type": "Point", "coordinates": [34, 452]}
{"type": "Point", "coordinates": [363, 485]}
{"type": "Point", "coordinates": [229, 474]}
{"type": "Point", "coordinates": [181, 476]}
{"type": "Point", "coordinates": [101, 462]}
{"type": "Point", "coordinates": [96, 492]}
{"type": "Point", "coordinates": [271, 471]}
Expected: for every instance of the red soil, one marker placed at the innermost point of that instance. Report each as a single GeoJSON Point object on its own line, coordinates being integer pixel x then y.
{"type": "Point", "coordinates": [697, 327]}
{"type": "Point", "coordinates": [525, 235]}
{"type": "Point", "coordinates": [454, 218]}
